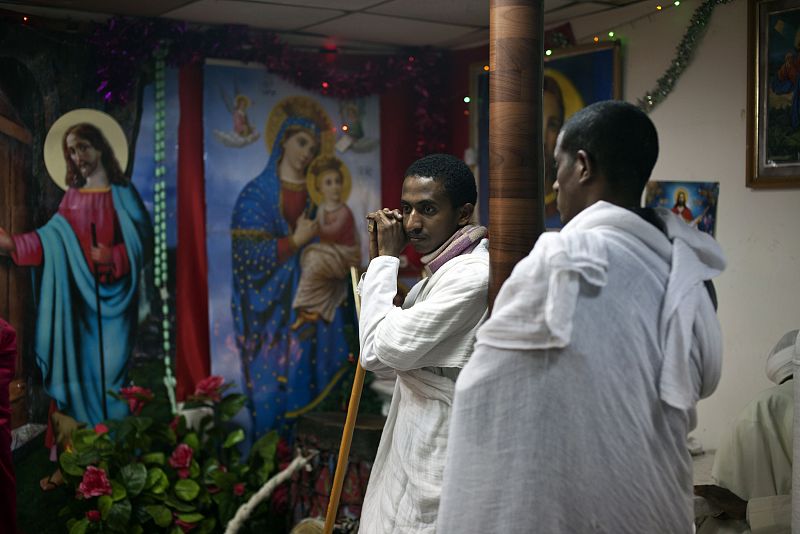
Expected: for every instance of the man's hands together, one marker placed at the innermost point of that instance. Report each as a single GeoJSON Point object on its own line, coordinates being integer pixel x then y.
{"type": "Point", "coordinates": [387, 237]}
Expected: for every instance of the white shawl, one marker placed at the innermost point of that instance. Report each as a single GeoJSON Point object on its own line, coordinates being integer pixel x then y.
{"type": "Point", "coordinates": [572, 413]}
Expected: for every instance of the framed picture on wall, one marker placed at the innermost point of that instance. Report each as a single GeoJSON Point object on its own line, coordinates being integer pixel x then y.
{"type": "Point", "coordinates": [572, 79]}
{"type": "Point", "coordinates": [773, 103]}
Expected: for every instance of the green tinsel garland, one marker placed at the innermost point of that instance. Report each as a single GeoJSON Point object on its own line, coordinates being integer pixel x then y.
{"type": "Point", "coordinates": [683, 55]}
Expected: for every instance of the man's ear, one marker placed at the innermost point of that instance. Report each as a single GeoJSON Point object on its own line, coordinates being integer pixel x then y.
{"type": "Point", "coordinates": [584, 165]}
{"type": "Point", "coordinates": [465, 214]}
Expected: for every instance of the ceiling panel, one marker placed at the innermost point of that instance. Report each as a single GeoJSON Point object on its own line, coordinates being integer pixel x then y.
{"type": "Point", "coordinates": [142, 8]}
{"type": "Point", "coordinates": [472, 13]}
{"type": "Point", "coordinates": [573, 10]}
{"type": "Point", "coordinates": [271, 16]}
{"type": "Point", "coordinates": [382, 29]}
{"type": "Point", "coordinates": [346, 5]}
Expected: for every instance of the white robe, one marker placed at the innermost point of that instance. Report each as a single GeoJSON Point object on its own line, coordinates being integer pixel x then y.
{"type": "Point", "coordinates": [755, 462]}
{"type": "Point", "coordinates": [573, 412]}
{"type": "Point", "coordinates": [425, 343]}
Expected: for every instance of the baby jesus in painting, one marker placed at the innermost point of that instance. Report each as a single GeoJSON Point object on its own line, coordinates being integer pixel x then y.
{"type": "Point", "coordinates": [325, 265]}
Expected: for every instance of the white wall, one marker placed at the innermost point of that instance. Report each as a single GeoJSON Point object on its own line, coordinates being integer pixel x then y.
{"type": "Point", "coordinates": [702, 130]}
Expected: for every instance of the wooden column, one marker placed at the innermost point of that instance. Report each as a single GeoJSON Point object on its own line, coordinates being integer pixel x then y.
{"type": "Point", "coordinates": [516, 214]}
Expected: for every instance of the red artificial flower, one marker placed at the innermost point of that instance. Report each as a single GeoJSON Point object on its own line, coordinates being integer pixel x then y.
{"type": "Point", "coordinates": [174, 423]}
{"type": "Point", "coordinates": [181, 459]}
{"type": "Point", "coordinates": [209, 387]}
{"type": "Point", "coordinates": [100, 428]}
{"type": "Point", "coordinates": [94, 484]}
{"type": "Point", "coordinates": [238, 489]}
{"type": "Point", "coordinates": [186, 527]}
{"type": "Point", "coordinates": [93, 515]}
{"type": "Point", "coordinates": [137, 397]}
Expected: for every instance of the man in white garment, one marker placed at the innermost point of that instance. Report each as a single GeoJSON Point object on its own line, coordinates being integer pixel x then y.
{"type": "Point", "coordinates": [753, 465]}
{"type": "Point", "coordinates": [573, 412]}
{"type": "Point", "coordinates": [426, 342]}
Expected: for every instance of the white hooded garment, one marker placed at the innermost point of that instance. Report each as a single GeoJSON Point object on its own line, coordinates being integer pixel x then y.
{"type": "Point", "coordinates": [573, 412]}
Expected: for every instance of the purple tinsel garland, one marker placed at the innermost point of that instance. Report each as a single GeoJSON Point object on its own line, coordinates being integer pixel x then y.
{"type": "Point", "coordinates": [125, 46]}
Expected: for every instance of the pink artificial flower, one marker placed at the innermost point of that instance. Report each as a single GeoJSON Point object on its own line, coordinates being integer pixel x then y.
{"type": "Point", "coordinates": [174, 423]}
{"type": "Point", "coordinates": [137, 397]}
{"type": "Point", "coordinates": [93, 515]}
{"type": "Point", "coordinates": [186, 527]}
{"type": "Point", "coordinates": [100, 428]}
{"type": "Point", "coordinates": [209, 387]}
{"type": "Point", "coordinates": [181, 459]}
{"type": "Point", "coordinates": [94, 484]}
{"type": "Point", "coordinates": [238, 489]}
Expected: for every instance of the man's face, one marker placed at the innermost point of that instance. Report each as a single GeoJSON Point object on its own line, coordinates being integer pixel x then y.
{"type": "Point", "coordinates": [330, 186]}
{"type": "Point", "coordinates": [567, 185]}
{"type": "Point", "coordinates": [85, 157]}
{"type": "Point", "coordinates": [429, 217]}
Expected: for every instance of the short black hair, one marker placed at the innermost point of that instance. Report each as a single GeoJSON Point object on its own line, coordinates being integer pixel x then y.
{"type": "Point", "coordinates": [454, 175]}
{"type": "Point", "coordinates": [621, 142]}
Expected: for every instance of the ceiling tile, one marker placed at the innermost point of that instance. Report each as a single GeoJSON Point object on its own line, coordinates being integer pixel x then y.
{"type": "Point", "coordinates": [270, 16]}
{"type": "Point", "coordinates": [346, 5]}
{"type": "Point", "coordinates": [471, 13]}
{"type": "Point", "coordinates": [382, 29]}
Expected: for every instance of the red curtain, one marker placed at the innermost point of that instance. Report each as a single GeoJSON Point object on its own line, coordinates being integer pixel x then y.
{"type": "Point", "coordinates": [193, 361]}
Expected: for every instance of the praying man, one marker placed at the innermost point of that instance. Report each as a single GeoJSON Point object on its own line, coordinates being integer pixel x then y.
{"type": "Point", "coordinates": [427, 341]}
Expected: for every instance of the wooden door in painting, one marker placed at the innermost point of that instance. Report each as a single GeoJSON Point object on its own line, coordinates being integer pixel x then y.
{"type": "Point", "coordinates": [16, 303]}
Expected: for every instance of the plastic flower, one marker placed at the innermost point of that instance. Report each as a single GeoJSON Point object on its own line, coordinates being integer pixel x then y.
{"type": "Point", "coordinates": [137, 397]}
{"type": "Point", "coordinates": [93, 515]}
{"type": "Point", "coordinates": [238, 489]}
{"type": "Point", "coordinates": [94, 484]}
{"type": "Point", "coordinates": [181, 459]}
{"type": "Point", "coordinates": [210, 387]}
{"type": "Point", "coordinates": [186, 527]}
{"type": "Point", "coordinates": [100, 428]}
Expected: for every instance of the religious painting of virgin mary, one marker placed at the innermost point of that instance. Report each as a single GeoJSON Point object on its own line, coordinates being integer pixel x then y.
{"type": "Point", "coordinates": [282, 234]}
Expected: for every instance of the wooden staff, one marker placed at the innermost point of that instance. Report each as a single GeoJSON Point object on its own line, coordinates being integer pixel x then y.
{"type": "Point", "coordinates": [349, 425]}
{"type": "Point", "coordinates": [516, 210]}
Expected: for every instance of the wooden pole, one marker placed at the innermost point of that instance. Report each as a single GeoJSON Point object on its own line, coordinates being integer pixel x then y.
{"type": "Point", "coordinates": [516, 210]}
{"type": "Point", "coordinates": [349, 426]}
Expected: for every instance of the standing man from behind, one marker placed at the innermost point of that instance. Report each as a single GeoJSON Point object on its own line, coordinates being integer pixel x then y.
{"type": "Point", "coordinates": [427, 341]}
{"type": "Point", "coordinates": [572, 415]}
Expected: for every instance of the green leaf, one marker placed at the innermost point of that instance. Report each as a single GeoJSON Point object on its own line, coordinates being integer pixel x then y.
{"type": "Point", "coordinates": [136, 529]}
{"type": "Point", "coordinates": [79, 527]}
{"type": "Point", "coordinates": [231, 405]}
{"type": "Point", "coordinates": [191, 518]}
{"type": "Point", "coordinates": [192, 440]}
{"type": "Point", "coordinates": [265, 447]}
{"type": "Point", "coordinates": [69, 464]}
{"type": "Point", "coordinates": [180, 506]}
{"type": "Point", "coordinates": [154, 458]}
{"type": "Point", "coordinates": [104, 505]}
{"type": "Point", "coordinates": [207, 526]}
{"type": "Point", "coordinates": [176, 530]}
{"type": "Point", "coordinates": [141, 424]}
{"type": "Point", "coordinates": [119, 515]}
{"type": "Point", "coordinates": [134, 476]}
{"type": "Point", "coordinates": [187, 489]}
{"type": "Point", "coordinates": [83, 439]}
{"type": "Point", "coordinates": [118, 491]}
{"type": "Point", "coordinates": [157, 480]}
{"type": "Point", "coordinates": [194, 469]}
{"type": "Point", "coordinates": [237, 436]}
{"type": "Point", "coordinates": [160, 514]}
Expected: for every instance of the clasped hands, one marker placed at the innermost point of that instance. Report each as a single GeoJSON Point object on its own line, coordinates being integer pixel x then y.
{"type": "Point", "coordinates": [387, 237]}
